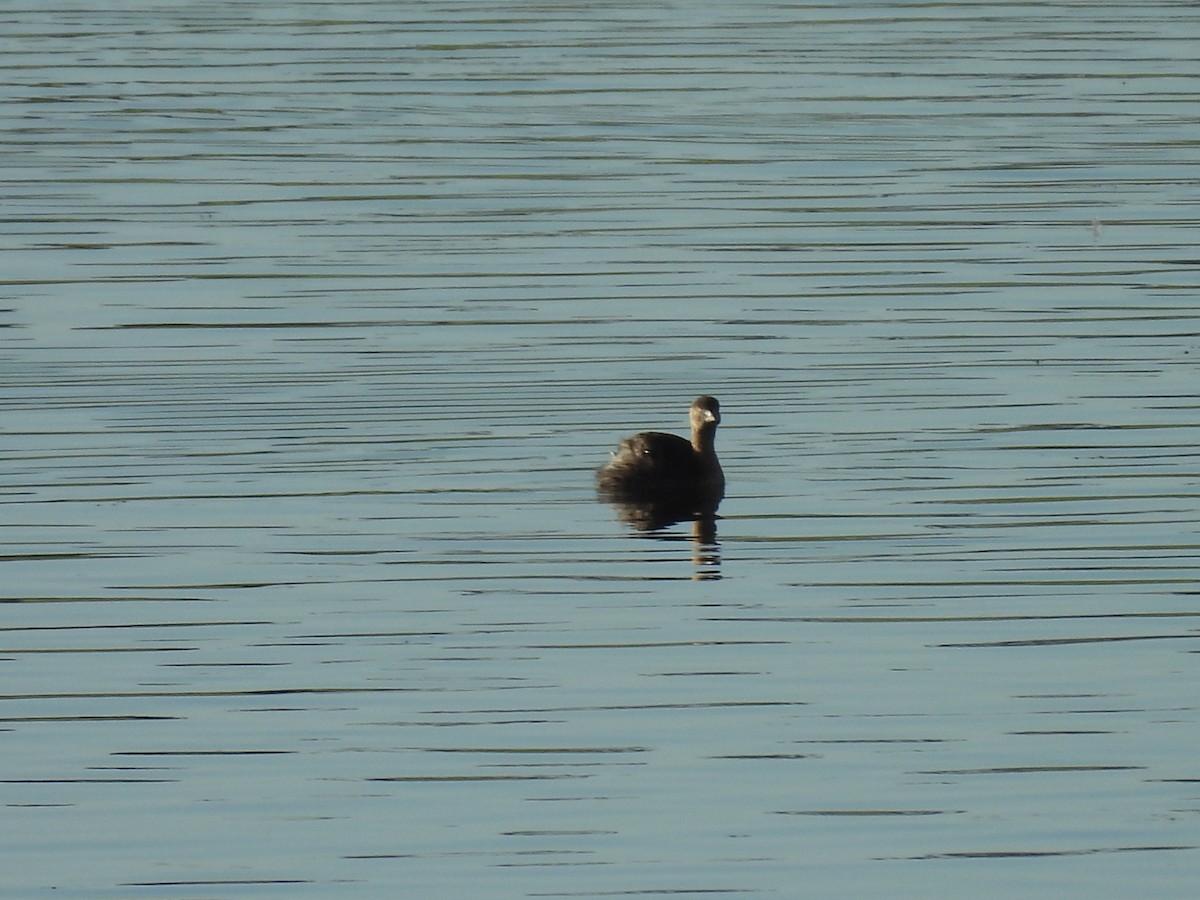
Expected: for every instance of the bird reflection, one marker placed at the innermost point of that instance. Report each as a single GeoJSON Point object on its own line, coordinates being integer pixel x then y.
{"type": "Point", "coordinates": [654, 514]}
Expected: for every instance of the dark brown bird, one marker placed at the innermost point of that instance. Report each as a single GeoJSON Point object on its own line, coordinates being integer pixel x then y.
{"type": "Point", "coordinates": [653, 465]}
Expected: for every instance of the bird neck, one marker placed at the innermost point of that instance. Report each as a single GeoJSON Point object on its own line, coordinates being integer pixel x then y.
{"type": "Point", "coordinates": [704, 440]}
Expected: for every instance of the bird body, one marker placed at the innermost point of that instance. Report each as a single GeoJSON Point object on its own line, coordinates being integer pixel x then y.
{"type": "Point", "coordinates": [654, 465]}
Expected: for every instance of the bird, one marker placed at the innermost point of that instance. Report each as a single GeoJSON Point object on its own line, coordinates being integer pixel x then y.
{"type": "Point", "coordinates": [653, 467]}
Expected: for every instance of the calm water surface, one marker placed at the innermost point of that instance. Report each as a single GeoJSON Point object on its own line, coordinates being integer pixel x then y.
{"type": "Point", "coordinates": [318, 317]}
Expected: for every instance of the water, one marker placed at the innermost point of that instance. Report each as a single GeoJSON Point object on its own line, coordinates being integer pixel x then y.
{"type": "Point", "coordinates": [319, 316]}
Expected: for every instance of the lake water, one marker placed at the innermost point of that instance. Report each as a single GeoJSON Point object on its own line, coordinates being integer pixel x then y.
{"type": "Point", "coordinates": [318, 317]}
